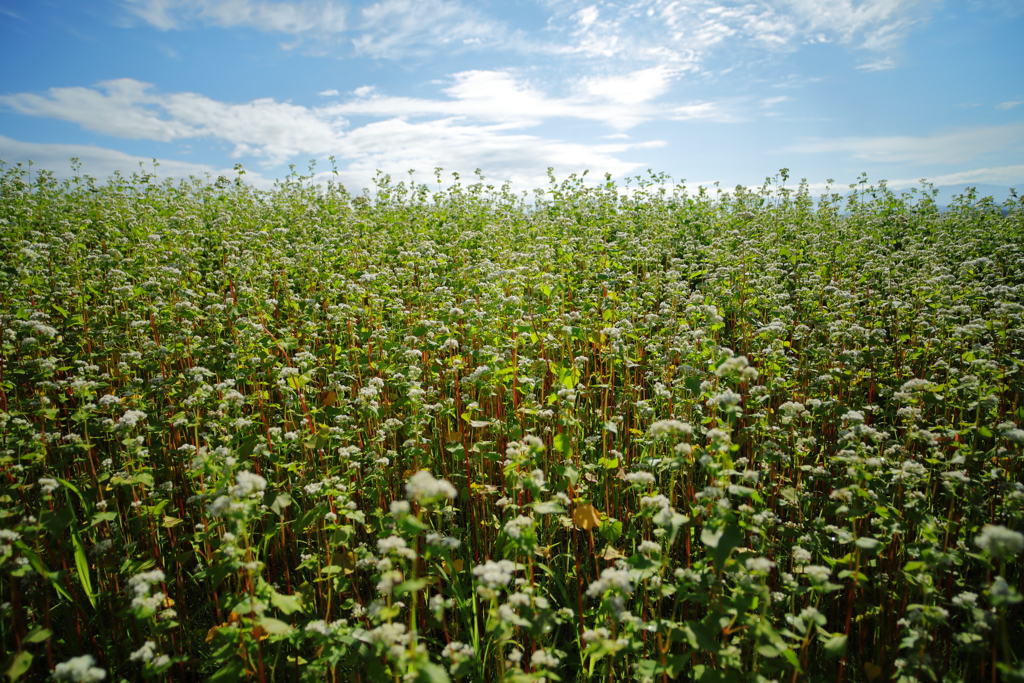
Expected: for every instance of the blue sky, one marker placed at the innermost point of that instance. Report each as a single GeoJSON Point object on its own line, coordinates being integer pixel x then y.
{"type": "Point", "coordinates": [703, 90]}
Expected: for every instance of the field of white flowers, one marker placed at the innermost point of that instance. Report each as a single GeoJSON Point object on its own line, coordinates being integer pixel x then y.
{"type": "Point", "coordinates": [453, 433]}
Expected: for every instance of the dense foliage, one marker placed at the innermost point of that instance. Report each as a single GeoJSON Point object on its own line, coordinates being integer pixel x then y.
{"type": "Point", "coordinates": [456, 433]}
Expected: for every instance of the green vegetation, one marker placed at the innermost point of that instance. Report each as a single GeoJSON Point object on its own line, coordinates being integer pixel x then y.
{"type": "Point", "coordinates": [456, 433]}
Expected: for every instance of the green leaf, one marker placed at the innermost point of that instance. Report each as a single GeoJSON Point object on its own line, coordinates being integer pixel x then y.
{"type": "Point", "coordinates": [429, 672]}
{"type": "Point", "coordinates": [835, 646]}
{"type": "Point", "coordinates": [281, 501]}
{"type": "Point", "coordinates": [275, 627]}
{"type": "Point", "coordinates": [56, 521]}
{"type": "Point", "coordinates": [82, 564]}
{"type": "Point", "coordinates": [37, 564]}
{"type": "Point", "coordinates": [229, 673]}
{"type": "Point", "coordinates": [610, 530]}
{"type": "Point", "coordinates": [701, 636]}
{"type": "Point", "coordinates": [144, 478]}
{"type": "Point", "coordinates": [37, 635]}
{"type": "Point", "coordinates": [19, 665]}
{"type": "Point", "coordinates": [286, 603]}
{"type": "Point", "coordinates": [869, 545]}
{"type": "Point", "coordinates": [100, 517]}
{"type": "Point", "coordinates": [723, 542]}
{"type": "Point", "coordinates": [411, 586]}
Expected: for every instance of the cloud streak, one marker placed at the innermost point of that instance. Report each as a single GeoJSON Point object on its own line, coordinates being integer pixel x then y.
{"type": "Point", "coordinates": [479, 124]}
{"type": "Point", "coordinates": [101, 162]}
{"type": "Point", "coordinates": [960, 146]}
{"type": "Point", "coordinates": [669, 33]}
{"type": "Point", "coordinates": [295, 18]}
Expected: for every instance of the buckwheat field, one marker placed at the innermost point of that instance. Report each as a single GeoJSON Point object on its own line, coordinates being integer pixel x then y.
{"type": "Point", "coordinates": [445, 431]}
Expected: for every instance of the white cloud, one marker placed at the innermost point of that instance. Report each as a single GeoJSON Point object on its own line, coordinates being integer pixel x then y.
{"type": "Point", "coordinates": [996, 175]}
{"type": "Point", "coordinates": [264, 128]}
{"type": "Point", "coordinates": [1008, 105]}
{"type": "Point", "coordinates": [395, 145]}
{"type": "Point", "coordinates": [101, 163]}
{"type": "Point", "coordinates": [955, 147]}
{"type": "Point", "coordinates": [474, 127]}
{"type": "Point", "coordinates": [670, 33]}
{"type": "Point", "coordinates": [123, 109]}
{"type": "Point", "coordinates": [633, 88]}
{"type": "Point", "coordinates": [703, 111]}
{"type": "Point", "coordinates": [328, 93]}
{"type": "Point", "coordinates": [310, 16]}
{"type": "Point", "coordinates": [392, 29]}
{"type": "Point", "coordinates": [686, 33]}
{"type": "Point", "coordinates": [503, 97]}
{"type": "Point", "coordinates": [884, 64]}
{"type": "Point", "coordinates": [389, 29]}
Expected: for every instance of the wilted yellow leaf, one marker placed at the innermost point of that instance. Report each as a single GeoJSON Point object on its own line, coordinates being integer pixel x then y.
{"type": "Point", "coordinates": [872, 670]}
{"type": "Point", "coordinates": [170, 522]}
{"type": "Point", "coordinates": [347, 561]}
{"type": "Point", "coordinates": [586, 516]}
{"type": "Point", "coordinates": [455, 566]}
{"type": "Point", "coordinates": [611, 553]}
{"type": "Point", "coordinates": [329, 398]}
{"type": "Point", "coordinates": [452, 436]}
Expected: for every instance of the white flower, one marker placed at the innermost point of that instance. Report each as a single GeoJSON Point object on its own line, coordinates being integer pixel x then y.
{"type": "Point", "coordinates": [494, 574]}
{"type": "Point", "coordinates": [801, 555]}
{"type": "Point", "coordinates": [48, 485]}
{"type": "Point", "coordinates": [759, 564]}
{"type": "Point", "coordinates": [246, 482]}
{"type": "Point", "coordinates": [390, 544]}
{"type": "Point", "coordinates": [80, 669]}
{"type": "Point", "coordinates": [611, 579]}
{"type": "Point", "coordinates": [817, 573]}
{"type": "Point", "coordinates": [424, 488]}
{"type": "Point", "coordinates": [663, 428]}
{"type": "Point", "coordinates": [657, 501]}
{"type": "Point", "coordinates": [648, 547]}
{"type": "Point", "coordinates": [515, 527]}
{"type": "Point", "coordinates": [144, 653]}
{"type": "Point", "coordinates": [457, 650]}
{"type": "Point", "coordinates": [1014, 436]}
{"type": "Point", "coordinates": [643, 478]}
{"type": "Point", "coordinates": [544, 660]}
{"type": "Point", "coordinates": [131, 418]}
{"type": "Point", "coordinates": [998, 541]}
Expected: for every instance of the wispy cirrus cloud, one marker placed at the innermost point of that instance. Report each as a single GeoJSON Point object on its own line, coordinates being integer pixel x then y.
{"type": "Point", "coordinates": [955, 147]}
{"type": "Point", "coordinates": [392, 29]}
{"type": "Point", "coordinates": [687, 33]}
{"type": "Point", "coordinates": [681, 35]}
{"type": "Point", "coordinates": [309, 16]}
{"type": "Point", "coordinates": [996, 175]}
{"type": "Point", "coordinates": [388, 29]}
